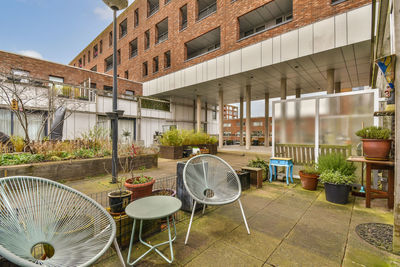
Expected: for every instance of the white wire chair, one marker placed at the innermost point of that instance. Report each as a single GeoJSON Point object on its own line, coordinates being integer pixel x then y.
{"type": "Point", "coordinates": [211, 181]}
{"type": "Point", "coordinates": [46, 223]}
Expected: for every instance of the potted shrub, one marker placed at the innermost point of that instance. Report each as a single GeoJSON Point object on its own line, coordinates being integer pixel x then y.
{"type": "Point", "coordinates": [376, 142]}
{"type": "Point", "coordinates": [337, 174]}
{"type": "Point", "coordinates": [140, 186]}
{"type": "Point", "coordinates": [309, 177]}
{"type": "Point", "coordinates": [171, 145]}
{"type": "Point", "coordinates": [212, 144]}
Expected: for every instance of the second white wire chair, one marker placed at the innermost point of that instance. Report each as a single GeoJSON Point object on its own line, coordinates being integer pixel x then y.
{"type": "Point", "coordinates": [211, 181]}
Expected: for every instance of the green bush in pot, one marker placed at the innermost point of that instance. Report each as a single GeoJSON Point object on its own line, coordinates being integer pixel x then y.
{"type": "Point", "coordinates": [337, 174]}
{"type": "Point", "coordinates": [376, 142]}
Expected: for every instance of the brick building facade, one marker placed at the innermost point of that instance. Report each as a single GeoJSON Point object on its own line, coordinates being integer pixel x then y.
{"type": "Point", "coordinates": [232, 129]}
{"type": "Point", "coordinates": [169, 27]}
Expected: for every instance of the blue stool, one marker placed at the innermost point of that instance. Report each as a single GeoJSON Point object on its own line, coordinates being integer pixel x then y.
{"type": "Point", "coordinates": [284, 162]}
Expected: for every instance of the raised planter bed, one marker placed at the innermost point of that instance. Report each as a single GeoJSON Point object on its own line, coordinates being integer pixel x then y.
{"type": "Point", "coordinates": [171, 152]}
{"type": "Point", "coordinates": [76, 169]}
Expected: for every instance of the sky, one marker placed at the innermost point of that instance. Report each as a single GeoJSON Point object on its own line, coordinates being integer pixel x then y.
{"type": "Point", "coordinates": [54, 30]}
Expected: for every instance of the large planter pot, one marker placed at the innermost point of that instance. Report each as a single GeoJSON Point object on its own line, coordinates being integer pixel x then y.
{"type": "Point", "coordinates": [308, 181]}
{"type": "Point", "coordinates": [118, 200]}
{"type": "Point", "coordinates": [376, 149]}
{"type": "Point", "coordinates": [337, 193]}
{"type": "Point", "coordinates": [139, 190]}
{"type": "Point", "coordinates": [181, 192]}
{"type": "Point", "coordinates": [171, 152]}
{"type": "Point", "coordinates": [244, 178]}
{"type": "Point", "coordinates": [164, 192]}
{"type": "Point", "coordinates": [213, 148]}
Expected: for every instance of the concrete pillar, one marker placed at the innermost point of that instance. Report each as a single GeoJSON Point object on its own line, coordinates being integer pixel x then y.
{"type": "Point", "coordinates": [248, 116]}
{"type": "Point", "coordinates": [396, 209]}
{"type": "Point", "coordinates": [266, 123]}
{"type": "Point", "coordinates": [221, 119]}
{"type": "Point", "coordinates": [198, 113]}
{"type": "Point", "coordinates": [194, 115]}
{"type": "Point", "coordinates": [206, 118]}
{"type": "Point", "coordinates": [338, 87]}
{"type": "Point", "coordinates": [241, 121]}
{"type": "Point", "coordinates": [298, 92]}
{"type": "Point", "coordinates": [283, 88]}
{"type": "Point", "coordinates": [330, 87]}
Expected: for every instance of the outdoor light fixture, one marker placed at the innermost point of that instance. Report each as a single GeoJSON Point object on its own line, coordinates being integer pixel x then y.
{"type": "Point", "coordinates": [115, 5]}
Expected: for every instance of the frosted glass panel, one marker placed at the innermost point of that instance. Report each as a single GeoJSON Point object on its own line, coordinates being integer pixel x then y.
{"type": "Point", "coordinates": [5, 121]}
{"type": "Point", "coordinates": [295, 122]}
{"type": "Point", "coordinates": [342, 116]}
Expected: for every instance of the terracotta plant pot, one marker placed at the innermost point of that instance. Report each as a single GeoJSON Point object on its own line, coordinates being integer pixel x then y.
{"type": "Point", "coordinates": [139, 190]}
{"type": "Point", "coordinates": [309, 181]}
{"type": "Point", "coordinates": [376, 149]}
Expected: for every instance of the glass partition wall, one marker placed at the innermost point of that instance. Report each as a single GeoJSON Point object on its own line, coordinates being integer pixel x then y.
{"type": "Point", "coordinates": [323, 120]}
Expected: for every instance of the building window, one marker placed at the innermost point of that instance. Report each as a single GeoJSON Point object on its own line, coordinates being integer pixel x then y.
{"type": "Point", "coordinates": [155, 64]}
{"type": "Point", "coordinates": [95, 51]}
{"type": "Point", "coordinates": [126, 74]}
{"type": "Point", "coordinates": [119, 56]}
{"type": "Point", "coordinates": [145, 69]}
{"type": "Point", "coordinates": [101, 46]}
{"type": "Point", "coordinates": [147, 39]}
{"type": "Point", "coordinates": [203, 44]}
{"type": "Point", "coordinates": [110, 39]}
{"type": "Point", "coordinates": [227, 133]}
{"type": "Point", "coordinates": [264, 18]}
{"type": "Point", "coordinates": [130, 92]}
{"type": "Point", "coordinates": [206, 8]}
{"type": "Point", "coordinates": [80, 63]}
{"type": "Point", "coordinates": [94, 68]}
{"type": "Point", "coordinates": [166, 1]}
{"type": "Point", "coordinates": [162, 31]}
{"type": "Point", "coordinates": [167, 59]}
{"type": "Point", "coordinates": [136, 18]}
{"type": "Point", "coordinates": [17, 74]}
{"type": "Point", "coordinates": [93, 85]}
{"type": "Point", "coordinates": [107, 88]}
{"type": "Point", "coordinates": [183, 17]}
{"type": "Point", "coordinates": [257, 123]}
{"type": "Point", "coordinates": [123, 28]}
{"type": "Point", "coordinates": [84, 60]}
{"type": "Point", "coordinates": [334, 2]}
{"type": "Point", "coordinates": [133, 51]}
{"type": "Point", "coordinates": [227, 124]}
{"type": "Point", "coordinates": [214, 113]}
{"type": "Point", "coordinates": [88, 56]}
{"type": "Point", "coordinates": [152, 7]}
{"type": "Point", "coordinates": [108, 63]}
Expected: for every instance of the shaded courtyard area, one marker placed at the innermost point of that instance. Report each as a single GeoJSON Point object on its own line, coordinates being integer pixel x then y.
{"type": "Point", "coordinates": [289, 226]}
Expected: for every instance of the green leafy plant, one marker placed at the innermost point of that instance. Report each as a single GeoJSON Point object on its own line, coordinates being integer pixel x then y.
{"type": "Point", "coordinates": [310, 168]}
{"type": "Point", "coordinates": [18, 143]}
{"type": "Point", "coordinates": [336, 177]}
{"type": "Point", "coordinates": [171, 138]}
{"type": "Point", "coordinates": [259, 163]}
{"type": "Point", "coordinates": [212, 140]}
{"type": "Point", "coordinates": [336, 162]}
{"type": "Point", "coordinates": [374, 132]}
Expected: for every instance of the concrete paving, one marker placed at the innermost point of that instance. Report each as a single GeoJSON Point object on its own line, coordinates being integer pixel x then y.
{"type": "Point", "coordinates": [289, 227]}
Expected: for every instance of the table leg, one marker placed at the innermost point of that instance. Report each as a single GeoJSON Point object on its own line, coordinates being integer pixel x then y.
{"type": "Point", "coordinates": [291, 173]}
{"type": "Point", "coordinates": [130, 244]}
{"type": "Point", "coordinates": [270, 173]}
{"type": "Point", "coordinates": [287, 174]}
{"type": "Point", "coordinates": [391, 189]}
{"type": "Point", "coordinates": [368, 186]}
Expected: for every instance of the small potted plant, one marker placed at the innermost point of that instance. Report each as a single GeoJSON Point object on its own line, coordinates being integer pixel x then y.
{"type": "Point", "coordinates": [376, 142]}
{"type": "Point", "coordinates": [337, 174]}
{"type": "Point", "coordinates": [119, 199]}
{"type": "Point", "coordinates": [309, 177]}
{"type": "Point", "coordinates": [140, 186]}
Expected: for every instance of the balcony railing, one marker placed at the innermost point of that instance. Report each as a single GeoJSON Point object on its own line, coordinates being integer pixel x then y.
{"type": "Point", "coordinates": [153, 10]}
{"type": "Point", "coordinates": [207, 11]}
{"type": "Point", "coordinates": [162, 37]}
{"type": "Point", "coordinates": [134, 53]}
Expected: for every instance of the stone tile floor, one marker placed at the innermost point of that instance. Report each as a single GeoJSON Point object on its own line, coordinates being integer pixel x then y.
{"type": "Point", "coordinates": [289, 227]}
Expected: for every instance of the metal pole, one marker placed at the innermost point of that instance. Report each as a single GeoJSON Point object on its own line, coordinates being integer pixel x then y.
{"type": "Point", "coordinates": [114, 169]}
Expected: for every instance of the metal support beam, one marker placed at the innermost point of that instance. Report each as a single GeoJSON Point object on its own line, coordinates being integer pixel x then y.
{"type": "Point", "coordinates": [198, 113]}
{"type": "Point", "coordinates": [241, 120]}
{"type": "Point", "coordinates": [330, 87]}
{"type": "Point", "coordinates": [248, 116]}
{"type": "Point", "coordinates": [266, 124]}
{"type": "Point", "coordinates": [283, 88]}
{"type": "Point", "coordinates": [221, 118]}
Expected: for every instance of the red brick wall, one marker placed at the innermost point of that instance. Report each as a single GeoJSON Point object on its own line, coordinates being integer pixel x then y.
{"type": "Point", "coordinates": [41, 69]}
{"type": "Point", "coordinates": [235, 127]}
{"type": "Point", "coordinates": [304, 12]}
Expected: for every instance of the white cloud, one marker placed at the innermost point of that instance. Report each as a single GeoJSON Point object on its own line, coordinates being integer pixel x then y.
{"type": "Point", "coordinates": [31, 53]}
{"type": "Point", "coordinates": [104, 13]}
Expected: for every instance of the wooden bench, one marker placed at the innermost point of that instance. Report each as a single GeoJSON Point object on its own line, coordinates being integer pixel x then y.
{"type": "Point", "coordinates": [302, 154]}
{"type": "Point", "coordinates": [256, 175]}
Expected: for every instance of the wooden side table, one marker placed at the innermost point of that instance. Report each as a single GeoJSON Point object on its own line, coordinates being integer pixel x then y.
{"type": "Point", "coordinates": [373, 193]}
{"type": "Point", "coordinates": [256, 175]}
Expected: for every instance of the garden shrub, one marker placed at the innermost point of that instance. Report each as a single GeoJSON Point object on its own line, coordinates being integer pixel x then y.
{"type": "Point", "coordinates": [374, 132]}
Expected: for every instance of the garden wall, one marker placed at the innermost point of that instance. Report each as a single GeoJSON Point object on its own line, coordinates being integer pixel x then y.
{"type": "Point", "coordinates": [77, 169]}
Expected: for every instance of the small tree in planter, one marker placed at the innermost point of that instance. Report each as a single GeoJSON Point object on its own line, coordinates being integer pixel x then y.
{"type": "Point", "coordinates": [337, 174]}
{"type": "Point", "coordinates": [212, 144]}
{"type": "Point", "coordinates": [309, 177]}
{"type": "Point", "coordinates": [376, 142]}
{"type": "Point", "coordinates": [171, 145]}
